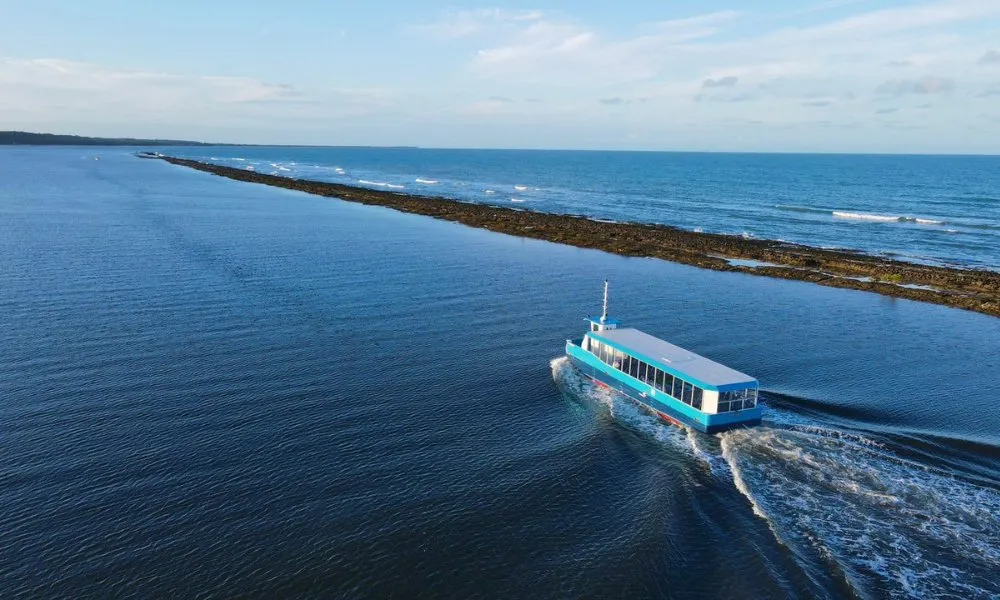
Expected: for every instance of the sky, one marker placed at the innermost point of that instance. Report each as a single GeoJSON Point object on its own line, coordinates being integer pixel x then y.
{"type": "Point", "coordinates": [776, 76]}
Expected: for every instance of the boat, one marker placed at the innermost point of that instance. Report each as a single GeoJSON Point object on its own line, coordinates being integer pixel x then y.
{"type": "Point", "coordinates": [678, 385]}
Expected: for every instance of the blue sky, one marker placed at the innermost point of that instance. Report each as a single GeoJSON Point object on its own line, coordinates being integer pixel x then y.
{"type": "Point", "coordinates": [826, 75]}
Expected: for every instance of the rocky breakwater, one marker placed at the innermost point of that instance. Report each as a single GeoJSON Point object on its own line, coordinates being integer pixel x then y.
{"type": "Point", "coordinates": [976, 290]}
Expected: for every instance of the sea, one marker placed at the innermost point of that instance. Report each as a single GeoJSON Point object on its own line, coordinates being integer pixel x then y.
{"type": "Point", "coordinates": [212, 388]}
{"type": "Point", "coordinates": [942, 210]}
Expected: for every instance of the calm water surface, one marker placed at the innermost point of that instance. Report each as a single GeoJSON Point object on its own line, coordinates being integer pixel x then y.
{"type": "Point", "coordinates": [210, 388]}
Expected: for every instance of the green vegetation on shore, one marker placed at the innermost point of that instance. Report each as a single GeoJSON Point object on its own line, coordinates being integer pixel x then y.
{"type": "Point", "coordinates": [970, 289]}
{"type": "Point", "coordinates": [24, 138]}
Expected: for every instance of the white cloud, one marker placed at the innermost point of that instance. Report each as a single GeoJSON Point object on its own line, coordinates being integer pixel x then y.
{"type": "Point", "coordinates": [48, 88]}
{"type": "Point", "coordinates": [673, 81]}
{"type": "Point", "coordinates": [465, 23]}
{"type": "Point", "coordinates": [61, 81]}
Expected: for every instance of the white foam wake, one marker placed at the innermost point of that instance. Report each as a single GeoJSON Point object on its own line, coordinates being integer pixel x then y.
{"type": "Point", "coordinates": [894, 526]}
{"type": "Point", "coordinates": [628, 413]}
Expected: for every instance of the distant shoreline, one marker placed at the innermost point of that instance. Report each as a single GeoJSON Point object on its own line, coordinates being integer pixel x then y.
{"type": "Point", "coordinates": [969, 289]}
{"type": "Point", "coordinates": [25, 138]}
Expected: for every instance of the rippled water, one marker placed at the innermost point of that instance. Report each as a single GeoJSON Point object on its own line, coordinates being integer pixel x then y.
{"type": "Point", "coordinates": [216, 388]}
{"type": "Point", "coordinates": [936, 209]}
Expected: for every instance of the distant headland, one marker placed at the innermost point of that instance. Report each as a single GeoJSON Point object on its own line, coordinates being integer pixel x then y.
{"type": "Point", "coordinates": [24, 138]}
{"type": "Point", "coordinates": [971, 289]}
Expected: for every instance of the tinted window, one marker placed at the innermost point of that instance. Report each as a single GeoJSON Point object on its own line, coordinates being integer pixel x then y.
{"type": "Point", "coordinates": [687, 393]}
{"type": "Point", "coordinates": [696, 398]}
{"type": "Point", "coordinates": [668, 383]}
{"type": "Point", "coordinates": [642, 371]}
{"type": "Point", "coordinates": [658, 382]}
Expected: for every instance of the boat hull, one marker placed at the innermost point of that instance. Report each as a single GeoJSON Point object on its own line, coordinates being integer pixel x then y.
{"type": "Point", "coordinates": [597, 371]}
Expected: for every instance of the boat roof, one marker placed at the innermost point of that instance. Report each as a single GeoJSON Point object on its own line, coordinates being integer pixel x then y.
{"type": "Point", "coordinates": [675, 359]}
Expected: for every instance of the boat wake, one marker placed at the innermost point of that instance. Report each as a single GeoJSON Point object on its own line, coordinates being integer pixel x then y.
{"type": "Point", "coordinates": [619, 407]}
{"type": "Point", "coordinates": [888, 522]}
{"type": "Point", "coordinates": [895, 527]}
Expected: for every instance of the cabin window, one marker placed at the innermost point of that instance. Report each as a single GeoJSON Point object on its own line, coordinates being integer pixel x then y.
{"type": "Point", "coordinates": [651, 375]}
{"type": "Point", "coordinates": [696, 398]}
{"type": "Point", "coordinates": [658, 382]}
{"type": "Point", "coordinates": [687, 393]}
{"type": "Point", "coordinates": [668, 383]}
{"type": "Point", "coordinates": [604, 353]}
{"type": "Point", "coordinates": [737, 400]}
{"type": "Point", "coordinates": [633, 366]}
{"type": "Point", "coordinates": [617, 360]}
{"type": "Point", "coordinates": [641, 375]}
{"type": "Point", "coordinates": [678, 386]}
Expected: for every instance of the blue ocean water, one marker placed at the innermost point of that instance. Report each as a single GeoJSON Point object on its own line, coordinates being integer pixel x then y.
{"type": "Point", "coordinates": [211, 388]}
{"type": "Point", "coordinates": [932, 209]}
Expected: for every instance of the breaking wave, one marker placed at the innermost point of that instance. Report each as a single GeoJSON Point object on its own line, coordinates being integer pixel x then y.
{"type": "Point", "coordinates": [381, 184]}
{"type": "Point", "coordinates": [861, 216]}
{"type": "Point", "coordinates": [516, 200]}
{"type": "Point", "coordinates": [426, 181]}
{"type": "Point", "coordinates": [520, 188]}
{"type": "Point", "coordinates": [895, 527]}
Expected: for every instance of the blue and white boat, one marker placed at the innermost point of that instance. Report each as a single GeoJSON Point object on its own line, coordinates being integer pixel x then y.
{"type": "Point", "coordinates": [679, 386]}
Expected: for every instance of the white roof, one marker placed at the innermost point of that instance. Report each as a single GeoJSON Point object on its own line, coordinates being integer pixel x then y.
{"type": "Point", "coordinates": [676, 358]}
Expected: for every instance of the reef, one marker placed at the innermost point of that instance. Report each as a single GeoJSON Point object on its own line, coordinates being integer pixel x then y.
{"type": "Point", "coordinates": [970, 289]}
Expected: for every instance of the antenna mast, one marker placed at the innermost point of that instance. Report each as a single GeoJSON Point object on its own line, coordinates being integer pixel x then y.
{"type": "Point", "coordinates": [604, 314]}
